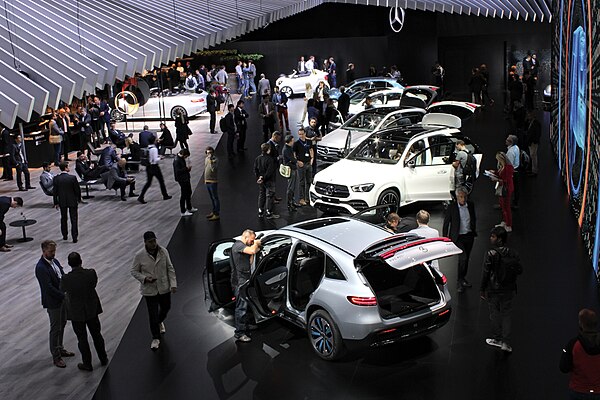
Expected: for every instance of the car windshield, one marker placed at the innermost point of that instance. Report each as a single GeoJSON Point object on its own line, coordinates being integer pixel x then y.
{"type": "Point", "coordinates": [366, 121]}
{"type": "Point", "coordinates": [382, 148]}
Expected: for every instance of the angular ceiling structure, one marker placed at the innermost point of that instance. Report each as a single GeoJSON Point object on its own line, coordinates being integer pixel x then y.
{"type": "Point", "coordinates": [54, 50]}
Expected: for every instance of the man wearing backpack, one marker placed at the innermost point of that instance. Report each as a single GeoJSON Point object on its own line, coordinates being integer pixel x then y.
{"type": "Point", "coordinates": [501, 268]}
{"type": "Point", "coordinates": [464, 168]}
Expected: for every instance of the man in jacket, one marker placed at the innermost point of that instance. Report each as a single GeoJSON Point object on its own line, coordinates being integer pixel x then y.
{"type": "Point", "coordinates": [153, 268]}
{"type": "Point", "coordinates": [211, 107]}
{"type": "Point", "coordinates": [84, 168]}
{"type": "Point", "coordinates": [264, 86]}
{"type": "Point", "coordinates": [499, 286]}
{"type": "Point", "coordinates": [230, 129]}
{"type": "Point", "coordinates": [118, 179]}
{"type": "Point", "coordinates": [67, 195]}
{"type": "Point", "coordinates": [63, 122]}
{"type": "Point", "coordinates": [289, 159]}
{"type": "Point", "coordinates": [108, 156]}
{"type": "Point", "coordinates": [6, 142]}
{"type": "Point", "coordinates": [240, 116]}
{"type": "Point", "coordinates": [47, 179]}
{"type": "Point", "coordinates": [264, 170]}
{"type": "Point", "coordinates": [581, 358]}
{"type": "Point", "coordinates": [305, 157]}
{"type": "Point", "coordinates": [280, 100]}
{"type": "Point", "coordinates": [343, 102]}
{"type": "Point", "coordinates": [211, 181]}
{"type": "Point", "coordinates": [19, 161]}
{"type": "Point", "coordinates": [49, 273]}
{"type": "Point", "coordinates": [83, 309]}
{"type": "Point", "coordinates": [266, 110]}
{"type": "Point", "coordinates": [83, 121]}
{"type": "Point", "coordinates": [145, 136]}
{"type": "Point", "coordinates": [460, 226]}
{"type": "Point", "coordinates": [165, 140]}
{"type": "Point", "coordinates": [182, 176]}
{"type": "Point", "coordinates": [6, 203]}
{"type": "Point", "coordinates": [116, 136]}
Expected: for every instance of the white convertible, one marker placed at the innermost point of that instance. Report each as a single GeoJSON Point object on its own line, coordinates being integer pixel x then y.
{"type": "Point", "coordinates": [396, 166]}
{"type": "Point", "coordinates": [295, 83]}
{"type": "Point", "coordinates": [166, 103]}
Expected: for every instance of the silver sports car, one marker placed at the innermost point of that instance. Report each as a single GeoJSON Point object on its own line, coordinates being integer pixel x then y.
{"type": "Point", "coordinates": [347, 282]}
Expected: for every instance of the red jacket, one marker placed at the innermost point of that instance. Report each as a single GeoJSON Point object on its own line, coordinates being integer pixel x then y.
{"type": "Point", "coordinates": [581, 358]}
{"type": "Point", "coordinates": [506, 176]}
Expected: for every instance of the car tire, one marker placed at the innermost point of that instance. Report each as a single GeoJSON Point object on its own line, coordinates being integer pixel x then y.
{"type": "Point", "coordinates": [324, 336]}
{"type": "Point", "coordinates": [287, 91]}
{"type": "Point", "coordinates": [176, 109]}
{"type": "Point", "coordinates": [116, 115]}
{"type": "Point", "coordinates": [391, 197]}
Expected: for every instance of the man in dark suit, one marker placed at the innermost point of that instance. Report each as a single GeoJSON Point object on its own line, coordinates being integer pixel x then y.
{"type": "Point", "coordinates": [84, 168]}
{"type": "Point", "coordinates": [108, 156]}
{"type": "Point", "coordinates": [116, 136]}
{"type": "Point", "coordinates": [19, 161]}
{"type": "Point", "coordinates": [211, 107]}
{"type": "Point", "coordinates": [145, 137]}
{"type": "Point", "coordinates": [460, 225]}
{"type": "Point", "coordinates": [83, 121]}
{"type": "Point", "coordinates": [266, 110]}
{"type": "Point", "coordinates": [49, 272]}
{"type": "Point", "coordinates": [83, 309]}
{"type": "Point", "coordinates": [67, 195]}
{"type": "Point", "coordinates": [280, 100]}
{"type": "Point", "coordinates": [165, 140]}
{"type": "Point", "coordinates": [343, 103]}
{"type": "Point", "coordinates": [63, 122]}
{"type": "Point", "coordinates": [240, 115]}
{"type": "Point", "coordinates": [118, 179]}
{"type": "Point", "coordinates": [182, 176]}
{"type": "Point", "coordinates": [6, 203]}
{"type": "Point", "coordinates": [6, 142]}
{"type": "Point", "coordinates": [230, 129]}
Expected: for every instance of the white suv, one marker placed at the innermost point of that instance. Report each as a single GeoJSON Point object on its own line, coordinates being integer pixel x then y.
{"type": "Point", "coordinates": [395, 166]}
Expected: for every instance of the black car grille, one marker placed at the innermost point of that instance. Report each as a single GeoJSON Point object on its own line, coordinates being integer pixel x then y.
{"type": "Point", "coordinates": [358, 204]}
{"type": "Point", "coordinates": [329, 152]}
{"type": "Point", "coordinates": [332, 190]}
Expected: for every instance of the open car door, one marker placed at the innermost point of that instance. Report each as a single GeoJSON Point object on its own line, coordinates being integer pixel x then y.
{"type": "Point", "coordinates": [266, 290]}
{"type": "Point", "coordinates": [217, 275]}
{"type": "Point", "coordinates": [427, 94]}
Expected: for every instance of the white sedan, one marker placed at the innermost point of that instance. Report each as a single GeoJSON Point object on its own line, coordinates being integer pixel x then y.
{"type": "Point", "coordinates": [166, 104]}
{"type": "Point", "coordinates": [295, 83]}
{"type": "Point", "coordinates": [396, 166]}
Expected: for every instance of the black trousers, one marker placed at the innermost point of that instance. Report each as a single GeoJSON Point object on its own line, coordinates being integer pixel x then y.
{"type": "Point", "coordinates": [182, 143]}
{"type": "Point", "coordinates": [268, 128]}
{"type": "Point", "coordinates": [72, 213]}
{"type": "Point", "coordinates": [152, 171]}
{"type": "Point", "coordinates": [266, 193]}
{"type": "Point", "coordinates": [242, 138]}
{"type": "Point", "coordinates": [122, 185]}
{"type": "Point", "coordinates": [158, 307]}
{"type": "Point", "coordinates": [3, 234]}
{"type": "Point", "coordinates": [213, 120]}
{"type": "Point", "coordinates": [465, 243]}
{"type": "Point", "coordinates": [66, 145]}
{"type": "Point", "coordinates": [230, 140]}
{"type": "Point", "coordinates": [93, 325]}
{"type": "Point", "coordinates": [6, 168]}
{"type": "Point", "coordinates": [185, 202]}
{"type": "Point", "coordinates": [24, 169]}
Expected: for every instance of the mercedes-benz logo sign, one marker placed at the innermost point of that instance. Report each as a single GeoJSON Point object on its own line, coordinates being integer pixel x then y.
{"type": "Point", "coordinates": [396, 18]}
{"type": "Point", "coordinates": [330, 189]}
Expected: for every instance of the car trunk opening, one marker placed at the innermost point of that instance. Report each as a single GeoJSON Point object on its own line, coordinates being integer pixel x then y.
{"type": "Point", "coordinates": [401, 291]}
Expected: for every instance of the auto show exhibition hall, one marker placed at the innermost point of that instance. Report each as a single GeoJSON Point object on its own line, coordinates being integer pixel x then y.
{"type": "Point", "coordinates": [199, 357]}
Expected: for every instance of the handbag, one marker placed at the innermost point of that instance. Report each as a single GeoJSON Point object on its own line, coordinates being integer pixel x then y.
{"type": "Point", "coordinates": [54, 139]}
{"type": "Point", "coordinates": [285, 171]}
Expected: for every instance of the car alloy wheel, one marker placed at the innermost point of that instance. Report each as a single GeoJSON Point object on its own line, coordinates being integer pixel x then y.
{"type": "Point", "coordinates": [116, 115]}
{"type": "Point", "coordinates": [325, 336]}
{"type": "Point", "coordinates": [286, 90]}
{"type": "Point", "coordinates": [390, 197]}
{"type": "Point", "coordinates": [176, 110]}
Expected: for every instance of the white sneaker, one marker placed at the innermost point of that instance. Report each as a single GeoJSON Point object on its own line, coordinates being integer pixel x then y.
{"type": "Point", "coordinates": [501, 224]}
{"type": "Point", "coordinates": [243, 338]}
{"type": "Point", "coordinates": [162, 327]}
{"type": "Point", "coordinates": [494, 342]}
{"type": "Point", "coordinates": [506, 347]}
{"type": "Point", "coordinates": [193, 210]}
{"type": "Point", "coordinates": [186, 214]}
{"type": "Point", "coordinates": [155, 343]}
{"type": "Point", "coordinates": [508, 228]}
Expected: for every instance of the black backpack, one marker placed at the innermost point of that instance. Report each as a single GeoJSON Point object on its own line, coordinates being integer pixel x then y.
{"type": "Point", "coordinates": [145, 157]}
{"type": "Point", "coordinates": [470, 167]}
{"type": "Point", "coordinates": [507, 269]}
{"type": "Point", "coordinates": [223, 124]}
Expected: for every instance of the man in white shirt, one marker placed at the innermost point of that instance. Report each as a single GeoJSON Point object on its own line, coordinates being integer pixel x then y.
{"type": "Point", "coordinates": [424, 230]}
{"type": "Point", "coordinates": [513, 154]}
{"type": "Point", "coordinates": [153, 170]}
{"type": "Point", "coordinates": [239, 75]}
{"type": "Point", "coordinates": [310, 64]}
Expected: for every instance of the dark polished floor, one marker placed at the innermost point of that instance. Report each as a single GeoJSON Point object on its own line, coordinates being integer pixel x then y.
{"type": "Point", "coordinates": [198, 358]}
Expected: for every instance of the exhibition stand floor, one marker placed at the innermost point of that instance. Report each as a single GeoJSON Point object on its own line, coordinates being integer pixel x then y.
{"type": "Point", "coordinates": [199, 359]}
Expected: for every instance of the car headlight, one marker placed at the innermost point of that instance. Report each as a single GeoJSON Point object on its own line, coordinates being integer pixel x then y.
{"type": "Point", "coordinates": [279, 82]}
{"type": "Point", "coordinates": [365, 187]}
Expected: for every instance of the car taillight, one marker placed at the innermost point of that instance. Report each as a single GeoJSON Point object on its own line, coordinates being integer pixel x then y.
{"type": "Point", "coordinates": [325, 77]}
{"type": "Point", "coordinates": [444, 313]}
{"type": "Point", "coordinates": [473, 105]}
{"type": "Point", "coordinates": [197, 100]}
{"type": "Point", "coordinates": [441, 280]}
{"type": "Point", "coordinates": [362, 301]}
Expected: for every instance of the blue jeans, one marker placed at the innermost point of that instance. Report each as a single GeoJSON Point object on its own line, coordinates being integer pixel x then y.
{"type": "Point", "coordinates": [246, 87]}
{"type": "Point", "coordinates": [57, 152]}
{"type": "Point", "coordinates": [214, 197]}
{"type": "Point", "coordinates": [241, 314]}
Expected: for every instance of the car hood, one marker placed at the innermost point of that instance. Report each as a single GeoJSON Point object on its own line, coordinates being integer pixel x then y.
{"type": "Point", "coordinates": [337, 138]}
{"type": "Point", "coordinates": [350, 172]}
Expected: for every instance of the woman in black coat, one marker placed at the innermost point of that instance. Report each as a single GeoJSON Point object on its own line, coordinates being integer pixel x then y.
{"type": "Point", "coordinates": [182, 131]}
